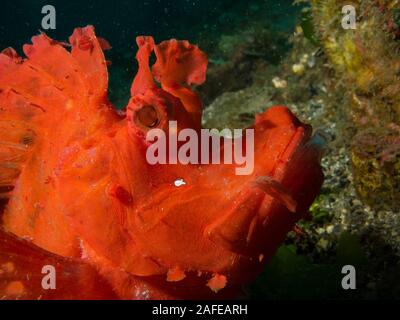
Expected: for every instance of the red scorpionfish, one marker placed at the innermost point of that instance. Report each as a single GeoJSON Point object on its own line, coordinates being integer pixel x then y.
{"type": "Point", "coordinates": [82, 198]}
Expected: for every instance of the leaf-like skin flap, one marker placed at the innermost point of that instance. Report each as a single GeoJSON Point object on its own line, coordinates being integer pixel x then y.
{"type": "Point", "coordinates": [179, 62]}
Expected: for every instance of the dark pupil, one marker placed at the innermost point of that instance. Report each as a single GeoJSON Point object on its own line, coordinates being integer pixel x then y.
{"type": "Point", "coordinates": [148, 116]}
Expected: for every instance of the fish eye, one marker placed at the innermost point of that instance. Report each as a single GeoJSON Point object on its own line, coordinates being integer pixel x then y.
{"type": "Point", "coordinates": [147, 116]}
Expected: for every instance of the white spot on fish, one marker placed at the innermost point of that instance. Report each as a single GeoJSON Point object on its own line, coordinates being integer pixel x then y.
{"type": "Point", "coordinates": [179, 183]}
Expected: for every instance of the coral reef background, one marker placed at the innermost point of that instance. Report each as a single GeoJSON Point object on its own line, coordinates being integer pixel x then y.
{"type": "Point", "coordinates": [263, 53]}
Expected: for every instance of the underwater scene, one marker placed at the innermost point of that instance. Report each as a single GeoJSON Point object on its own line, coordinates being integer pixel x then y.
{"type": "Point", "coordinates": [196, 149]}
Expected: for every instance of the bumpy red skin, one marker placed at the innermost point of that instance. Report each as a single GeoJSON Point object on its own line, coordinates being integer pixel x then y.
{"type": "Point", "coordinates": [83, 189]}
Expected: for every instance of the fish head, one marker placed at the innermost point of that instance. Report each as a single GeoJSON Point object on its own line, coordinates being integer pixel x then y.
{"type": "Point", "coordinates": [183, 221]}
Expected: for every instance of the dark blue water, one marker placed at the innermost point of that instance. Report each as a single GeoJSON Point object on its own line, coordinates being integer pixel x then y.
{"type": "Point", "coordinates": [120, 21]}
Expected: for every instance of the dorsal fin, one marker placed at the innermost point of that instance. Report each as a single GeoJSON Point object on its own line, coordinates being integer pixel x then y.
{"type": "Point", "coordinates": [43, 89]}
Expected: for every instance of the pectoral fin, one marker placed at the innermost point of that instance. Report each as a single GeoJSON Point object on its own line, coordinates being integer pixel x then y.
{"type": "Point", "coordinates": [24, 268]}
